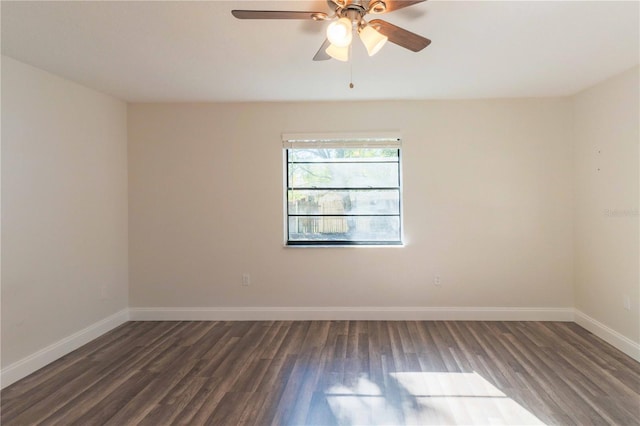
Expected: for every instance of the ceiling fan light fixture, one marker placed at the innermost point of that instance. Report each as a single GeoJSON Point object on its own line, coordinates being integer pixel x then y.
{"type": "Point", "coordinates": [339, 32]}
{"type": "Point", "coordinates": [372, 39]}
{"type": "Point", "coordinates": [340, 53]}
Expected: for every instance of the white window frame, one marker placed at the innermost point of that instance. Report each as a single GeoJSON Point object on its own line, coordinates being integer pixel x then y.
{"type": "Point", "coordinates": [381, 139]}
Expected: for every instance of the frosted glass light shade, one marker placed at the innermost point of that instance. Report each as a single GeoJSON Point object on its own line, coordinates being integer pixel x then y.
{"type": "Point", "coordinates": [340, 53]}
{"type": "Point", "coordinates": [372, 39]}
{"type": "Point", "coordinates": [339, 32]}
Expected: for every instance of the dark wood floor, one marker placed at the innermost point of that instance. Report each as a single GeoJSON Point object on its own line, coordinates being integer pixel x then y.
{"type": "Point", "coordinates": [333, 372]}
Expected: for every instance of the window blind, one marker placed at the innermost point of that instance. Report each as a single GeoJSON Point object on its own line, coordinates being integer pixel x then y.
{"type": "Point", "coordinates": [385, 139]}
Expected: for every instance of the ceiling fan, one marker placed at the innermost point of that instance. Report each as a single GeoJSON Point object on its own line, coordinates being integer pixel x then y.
{"type": "Point", "coordinates": [347, 18]}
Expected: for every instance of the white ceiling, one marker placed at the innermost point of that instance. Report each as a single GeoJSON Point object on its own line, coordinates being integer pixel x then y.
{"type": "Point", "coordinates": [144, 51]}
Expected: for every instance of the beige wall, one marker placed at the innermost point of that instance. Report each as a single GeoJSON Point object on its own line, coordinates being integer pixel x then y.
{"type": "Point", "coordinates": [487, 206]}
{"type": "Point", "coordinates": [607, 257]}
{"type": "Point", "coordinates": [64, 208]}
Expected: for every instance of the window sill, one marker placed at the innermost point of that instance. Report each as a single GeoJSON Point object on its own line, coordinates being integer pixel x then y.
{"type": "Point", "coordinates": [344, 246]}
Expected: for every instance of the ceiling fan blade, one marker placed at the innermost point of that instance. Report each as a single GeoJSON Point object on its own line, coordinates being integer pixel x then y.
{"type": "Point", "coordinates": [400, 4]}
{"type": "Point", "coordinates": [322, 55]}
{"type": "Point", "coordinates": [400, 36]}
{"type": "Point", "coordinates": [278, 14]}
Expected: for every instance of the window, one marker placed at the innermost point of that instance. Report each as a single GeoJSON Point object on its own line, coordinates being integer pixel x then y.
{"type": "Point", "coordinates": [343, 191]}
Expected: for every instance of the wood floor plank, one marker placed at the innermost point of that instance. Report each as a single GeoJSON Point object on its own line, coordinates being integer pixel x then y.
{"type": "Point", "coordinates": [246, 337]}
{"type": "Point", "coordinates": [56, 368]}
{"type": "Point", "coordinates": [333, 372]}
{"type": "Point", "coordinates": [267, 412]}
{"type": "Point", "coordinates": [109, 406]}
{"type": "Point", "coordinates": [140, 405]}
{"type": "Point", "coordinates": [554, 383]}
{"type": "Point", "coordinates": [85, 401]}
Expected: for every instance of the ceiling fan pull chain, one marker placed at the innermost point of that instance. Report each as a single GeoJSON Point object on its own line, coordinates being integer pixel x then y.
{"type": "Point", "coordinates": [351, 86]}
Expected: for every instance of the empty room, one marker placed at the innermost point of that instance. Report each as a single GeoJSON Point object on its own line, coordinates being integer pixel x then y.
{"type": "Point", "coordinates": [325, 212]}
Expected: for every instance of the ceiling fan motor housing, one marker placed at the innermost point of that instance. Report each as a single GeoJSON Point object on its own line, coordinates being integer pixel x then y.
{"type": "Point", "coordinates": [372, 6]}
{"type": "Point", "coordinates": [355, 10]}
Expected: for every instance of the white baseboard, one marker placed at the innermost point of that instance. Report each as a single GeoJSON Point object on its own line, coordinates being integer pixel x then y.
{"type": "Point", "coordinates": [609, 335]}
{"type": "Point", "coordinates": [351, 313]}
{"type": "Point", "coordinates": [36, 361]}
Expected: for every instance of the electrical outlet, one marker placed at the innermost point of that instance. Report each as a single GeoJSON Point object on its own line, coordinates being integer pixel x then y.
{"type": "Point", "coordinates": [246, 279]}
{"type": "Point", "coordinates": [437, 280]}
{"type": "Point", "coordinates": [626, 302]}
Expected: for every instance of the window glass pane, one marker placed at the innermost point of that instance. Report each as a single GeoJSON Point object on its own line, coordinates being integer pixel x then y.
{"type": "Point", "coordinates": [343, 195]}
{"type": "Point", "coordinates": [332, 228]}
{"type": "Point", "coordinates": [343, 175]}
{"type": "Point", "coordinates": [332, 202]}
{"type": "Point", "coordinates": [343, 154]}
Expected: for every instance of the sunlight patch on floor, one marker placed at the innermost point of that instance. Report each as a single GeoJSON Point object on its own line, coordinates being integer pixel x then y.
{"type": "Point", "coordinates": [426, 398]}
